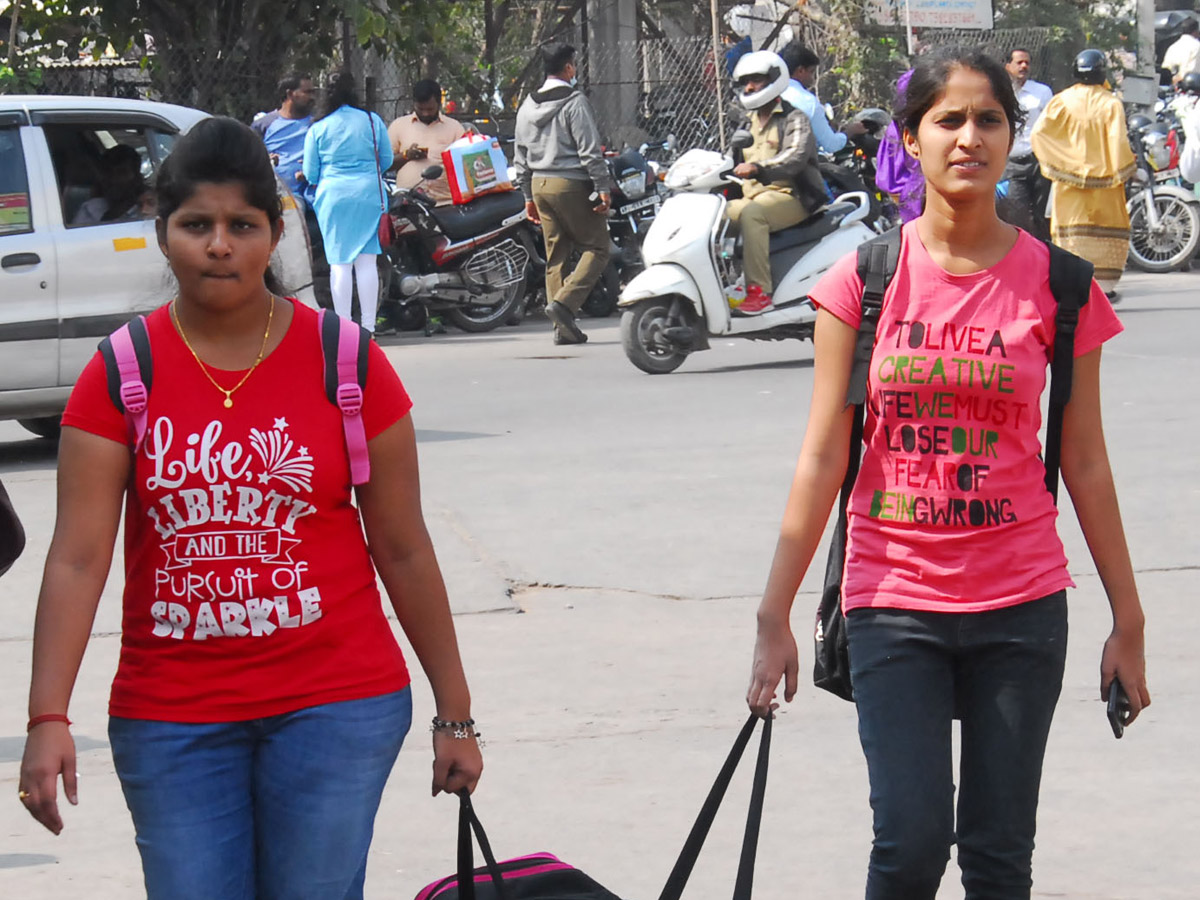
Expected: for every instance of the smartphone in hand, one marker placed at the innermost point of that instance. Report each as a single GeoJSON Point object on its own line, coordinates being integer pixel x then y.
{"type": "Point", "coordinates": [1118, 708]}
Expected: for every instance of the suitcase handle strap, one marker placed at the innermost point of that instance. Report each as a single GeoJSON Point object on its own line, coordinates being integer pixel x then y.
{"type": "Point", "coordinates": [468, 822]}
{"type": "Point", "coordinates": [678, 878]}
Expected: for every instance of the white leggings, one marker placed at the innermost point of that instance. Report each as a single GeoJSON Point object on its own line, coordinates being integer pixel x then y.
{"type": "Point", "coordinates": [367, 277]}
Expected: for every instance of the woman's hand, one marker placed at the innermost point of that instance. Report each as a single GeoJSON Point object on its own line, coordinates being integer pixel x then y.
{"type": "Point", "coordinates": [457, 763]}
{"type": "Point", "coordinates": [49, 753]}
{"type": "Point", "coordinates": [1124, 658]}
{"type": "Point", "coordinates": [775, 657]}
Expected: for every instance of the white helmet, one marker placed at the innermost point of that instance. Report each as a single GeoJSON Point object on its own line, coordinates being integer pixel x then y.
{"type": "Point", "coordinates": [763, 64]}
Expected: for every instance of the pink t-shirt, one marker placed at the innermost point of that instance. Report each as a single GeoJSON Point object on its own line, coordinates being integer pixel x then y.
{"type": "Point", "coordinates": [950, 512]}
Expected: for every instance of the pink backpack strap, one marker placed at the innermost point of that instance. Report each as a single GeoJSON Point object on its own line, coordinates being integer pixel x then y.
{"type": "Point", "coordinates": [129, 367]}
{"type": "Point", "coordinates": [344, 347]}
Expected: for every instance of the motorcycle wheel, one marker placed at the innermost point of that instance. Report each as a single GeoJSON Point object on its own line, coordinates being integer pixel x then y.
{"type": "Point", "coordinates": [602, 301]}
{"type": "Point", "coordinates": [408, 315]}
{"type": "Point", "coordinates": [478, 319]}
{"type": "Point", "coordinates": [641, 336]}
{"type": "Point", "coordinates": [1174, 243]}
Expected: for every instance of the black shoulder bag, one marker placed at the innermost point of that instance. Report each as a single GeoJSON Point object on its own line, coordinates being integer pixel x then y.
{"type": "Point", "coordinates": [543, 876]}
{"type": "Point", "coordinates": [1070, 282]}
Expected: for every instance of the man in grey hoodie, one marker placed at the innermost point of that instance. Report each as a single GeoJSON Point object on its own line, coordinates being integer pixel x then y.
{"type": "Point", "coordinates": [564, 177]}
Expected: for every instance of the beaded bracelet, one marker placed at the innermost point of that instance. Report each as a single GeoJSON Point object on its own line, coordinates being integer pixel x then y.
{"type": "Point", "coordinates": [456, 729]}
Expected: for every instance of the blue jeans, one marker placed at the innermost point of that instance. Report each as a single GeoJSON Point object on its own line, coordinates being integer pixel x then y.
{"type": "Point", "coordinates": [1000, 672]}
{"type": "Point", "coordinates": [280, 808]}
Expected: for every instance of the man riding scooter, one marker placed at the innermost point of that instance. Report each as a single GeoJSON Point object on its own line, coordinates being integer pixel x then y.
{"type": "Point", "coordinates": [783, 185]}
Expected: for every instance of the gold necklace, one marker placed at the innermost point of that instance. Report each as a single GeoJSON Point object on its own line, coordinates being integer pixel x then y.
{"type": "Point", "coordinates": [262, 351]}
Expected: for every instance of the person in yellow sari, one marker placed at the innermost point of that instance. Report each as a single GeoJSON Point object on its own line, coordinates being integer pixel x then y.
{"type": "Point", "coordinates": [1081, 143]}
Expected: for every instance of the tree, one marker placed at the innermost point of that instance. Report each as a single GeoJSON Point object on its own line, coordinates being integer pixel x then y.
{"type": "Point", "coordinates": [861, 61]}
{"type": "Point", "coordinates": [30, 31]}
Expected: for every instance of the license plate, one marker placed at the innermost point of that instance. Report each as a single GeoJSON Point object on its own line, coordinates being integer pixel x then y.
{"type": "Point", "coordinates": [640, 204]}
{"type": "Point", "coordinates": [1166, 174]}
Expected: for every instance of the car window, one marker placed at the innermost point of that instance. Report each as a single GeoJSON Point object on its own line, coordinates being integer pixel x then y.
{"type": "Point", "coordinates": [106, 172]}
{"type": "Point", "coordinates": [14, 185]}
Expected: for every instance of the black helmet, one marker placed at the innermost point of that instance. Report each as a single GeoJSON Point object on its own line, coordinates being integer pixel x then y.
{"type": "Point", "coordinates": [1139, 121]}
{"type": "Point", "coordinates": [1090, 67]}
{"type": "Point", "coordinates": [1190, 83]}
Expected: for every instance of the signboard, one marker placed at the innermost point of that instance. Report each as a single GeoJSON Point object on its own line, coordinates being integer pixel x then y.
{"type": "Point", "coordinates": [14, 213]}
{"type": "Point", "coordinates": [931, 13]}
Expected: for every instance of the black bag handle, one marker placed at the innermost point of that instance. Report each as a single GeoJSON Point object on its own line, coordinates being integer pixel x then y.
{"type": "Point", "coordinates": [468, 822]}
{"type": "Point", "coordinates": [678, 878]}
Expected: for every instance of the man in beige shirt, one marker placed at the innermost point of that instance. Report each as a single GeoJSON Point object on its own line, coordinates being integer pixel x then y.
{"type": "Point", "coordinates": [418, 140]}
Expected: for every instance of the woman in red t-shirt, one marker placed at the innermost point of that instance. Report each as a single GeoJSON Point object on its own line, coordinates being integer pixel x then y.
{"type": "Point", "coordinates": [955, 578]}
{"type": "Point", "coordinates": [261, 697]}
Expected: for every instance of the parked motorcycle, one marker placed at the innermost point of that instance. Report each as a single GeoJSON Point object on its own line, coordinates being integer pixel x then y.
{"type": "Point", "coordinates": [636, 199]}
{"type": "Point", "coordinates": [1164, 216]}
{"type": "Point", "coordinates": [693, 267]}
{"type": "Point", "coordinates": [853, 169]}
{"type": "Point", "coordinates": [469, 262]}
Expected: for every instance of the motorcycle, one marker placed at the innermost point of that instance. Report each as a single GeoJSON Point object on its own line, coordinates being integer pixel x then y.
{"type": "Point", "coordinates": [693, 268]}
{"type": "Point", "coordinates": [853, 169]}
{"type": "Point", "coordinates": [1164, 216]}
{"type": "Point", "coordinates": [469, 262]}
{"type": "Point", "coordinates": [637, 196]}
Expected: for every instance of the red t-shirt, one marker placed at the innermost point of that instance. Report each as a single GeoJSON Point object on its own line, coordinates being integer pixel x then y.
{"type": "Point", "coordinates": [950, 512]}
{"type": "Point", "coordinates": [249, 590]}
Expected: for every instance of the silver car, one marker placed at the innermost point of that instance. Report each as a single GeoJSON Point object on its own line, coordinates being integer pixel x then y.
{"type": "Point", "coordinates": [68, 276]}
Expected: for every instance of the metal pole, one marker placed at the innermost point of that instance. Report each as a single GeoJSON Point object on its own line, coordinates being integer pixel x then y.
{"type": "Point", "coordinates": [908, 25]}
{"type": "Point", "coordinates": [718, 71]}
{"type": "Point", "coordinates": [1145, 45]}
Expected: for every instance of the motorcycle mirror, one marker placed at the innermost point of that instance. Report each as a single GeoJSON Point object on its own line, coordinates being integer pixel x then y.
{"type": "Point", "coordinates": [741, 139]}
{"type": "Point", "coordinates": [432, 172]}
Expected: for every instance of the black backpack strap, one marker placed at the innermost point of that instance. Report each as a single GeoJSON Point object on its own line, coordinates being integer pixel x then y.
{"type": "Point", "coordinates": [330, 337]}
{"type": "Point", "coordinates": [877, 261]}
{"type": "Point", "coordinates": [1071, 284]}
{"type": "Point", "coordinates": [140, 339]}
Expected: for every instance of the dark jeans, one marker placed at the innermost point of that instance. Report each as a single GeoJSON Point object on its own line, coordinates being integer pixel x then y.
{"type": "Point", "coordinates": [1000, 672]}
{"type": "Point", "coordinates": [1028, 194]}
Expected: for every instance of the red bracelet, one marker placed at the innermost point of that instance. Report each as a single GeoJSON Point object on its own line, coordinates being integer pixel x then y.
{"type": "Point", "coordinates": [46, 717]}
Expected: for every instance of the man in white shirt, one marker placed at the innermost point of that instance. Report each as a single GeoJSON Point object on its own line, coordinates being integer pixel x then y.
{"type": "Point", "coordinates": [1183, 56]}
{"type": "Point", "coordinates": [1028, 189]}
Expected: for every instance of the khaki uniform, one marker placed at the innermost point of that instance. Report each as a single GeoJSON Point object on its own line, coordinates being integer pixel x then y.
{"type": "Point", "coordinates": [772, 206]}
{"type": "Point", "coordinates": [568, 224]}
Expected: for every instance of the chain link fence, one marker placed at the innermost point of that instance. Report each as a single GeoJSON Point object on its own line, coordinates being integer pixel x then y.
{"type": "Point", "coordinates": [646, 90]}
{"type": "Point", "coordinates": [642, 90]}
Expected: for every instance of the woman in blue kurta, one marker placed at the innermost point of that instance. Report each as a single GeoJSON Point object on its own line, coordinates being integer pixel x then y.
{"type": "Point", "coordinates": [344, 152]}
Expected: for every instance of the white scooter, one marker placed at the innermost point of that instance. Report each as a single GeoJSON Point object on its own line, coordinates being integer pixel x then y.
{"type": "Point", "coordinates": [693, 267]}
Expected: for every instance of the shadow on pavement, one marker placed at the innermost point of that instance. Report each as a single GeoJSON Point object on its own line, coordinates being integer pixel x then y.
{"type": "Point", "coordinates": [752, 367]}
{"type": "Point", "coordinates": [19, 860]}
{"type": "Point", "coordinates": [35, 453]}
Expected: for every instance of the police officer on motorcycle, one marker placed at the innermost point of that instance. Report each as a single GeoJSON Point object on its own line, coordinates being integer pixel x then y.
{"type": "Point", "coordinates": [783, 185]}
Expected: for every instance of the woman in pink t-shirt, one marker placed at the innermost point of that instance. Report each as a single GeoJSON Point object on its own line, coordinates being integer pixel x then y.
{"type": "Point", "coordinates": [261, 697]}
{"type": "Point", "coordinates": [955, 577]}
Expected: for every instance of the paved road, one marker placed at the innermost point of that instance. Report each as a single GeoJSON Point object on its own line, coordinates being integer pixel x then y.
{"type": "Point", "coordinates": [605, 535]}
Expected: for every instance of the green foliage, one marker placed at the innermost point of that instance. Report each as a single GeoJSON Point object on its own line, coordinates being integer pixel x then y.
{"type": "Point", "coordinates": [861, 61]}
{"type": "Point", "coordinates": [46, 29]}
